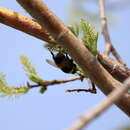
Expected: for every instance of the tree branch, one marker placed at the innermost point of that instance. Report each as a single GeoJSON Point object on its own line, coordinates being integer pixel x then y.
{"type": "Point", "coordinates": [33, 28]}
{"type": "Point", "coordinates": [53, 82]}
{"type": "Point", "coordinates": [88, 117]}
{"type": "Point", "coordinates": [117, 70]}
{"type": "Point", "coordinates": [109, 47]}
{"type": "Point", "coordinates": [24, 24]}
{"type": "Point", "coordinates": [76, 49]}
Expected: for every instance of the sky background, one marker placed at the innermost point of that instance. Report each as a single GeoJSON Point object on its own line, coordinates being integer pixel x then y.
{"type": "Point", "coordinates": [55, 109]}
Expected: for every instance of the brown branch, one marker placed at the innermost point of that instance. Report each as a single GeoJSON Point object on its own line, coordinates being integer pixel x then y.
{"type": "Point", "coordinates": [88, 117]}
{"type": "Point", "coordinates": [117, 70]}
{"type": "Point", "coordinates": [24, 24]}
{"type": "Point", "coordinates": [108, 47]}
{"type": "Point", "coordinates": [82, 90]}
{"type": "Point", "coordinates": [76, 49]}
{"type": "Point", "coordinates": [53, 82]}
{"type": "Point", "coordinates": [92, 88]}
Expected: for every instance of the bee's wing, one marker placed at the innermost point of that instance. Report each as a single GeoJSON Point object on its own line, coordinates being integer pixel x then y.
{"type": "Point", "coordinates": [51, 63]}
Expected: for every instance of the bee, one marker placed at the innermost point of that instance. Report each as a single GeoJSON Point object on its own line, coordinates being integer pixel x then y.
{"type": "Point", "coordinates": [67, 65]}
{"type": "Point", "coordinates": [63, 62]}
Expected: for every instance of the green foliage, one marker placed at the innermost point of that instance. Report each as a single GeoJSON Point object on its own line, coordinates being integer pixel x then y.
{"type": "Point", "coordinates": [74, 29]}
{"type": "Point", "coordinates": [7, 90]}
{"type": "Point", "coordinates": [29, 68]}
{"type": "Point", "coordinates": [43, 89]}
{"type": "Point", "coordinates": [55, 48]}
{"type": "Point", "coordinates": [58, 48]}
{"type": "Point", "coordinates": [90, 36]}
{"type": "Point", "coordinates": [31, 72]}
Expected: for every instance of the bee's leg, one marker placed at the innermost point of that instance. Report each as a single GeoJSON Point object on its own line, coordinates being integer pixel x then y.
{"type": "Point", "coordinates": [52, 54]}
{"type": "Point", "coordinates": [66, 55]}
{"type": "Point", "coordinates": [82, 78]}
{"type": "Point", "coordinates": [93, 88]}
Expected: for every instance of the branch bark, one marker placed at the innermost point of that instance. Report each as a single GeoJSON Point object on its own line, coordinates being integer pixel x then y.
{"type": "Point", "coordinates": [108, 47]}
{"type": "Point", "coordinates": [24, 24]}
{"type": "Point", "coordinates": [117, 70]}
{"type": "Point", "coordinates": [114, 96]}
{"type": "Point", "coordinates": [47, 83]}
{"type": "Point", "coordinates": [76, 49]}
{"type": "Point", "coordinates": [31, 27]}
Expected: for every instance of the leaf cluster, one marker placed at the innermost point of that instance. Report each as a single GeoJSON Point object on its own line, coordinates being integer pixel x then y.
{"type": "Point", "coordinates": [29, 69]}
{"type": "Point", "coordinates": [84, 32]}
{"type": "Point", "coordinates": [8, 90]}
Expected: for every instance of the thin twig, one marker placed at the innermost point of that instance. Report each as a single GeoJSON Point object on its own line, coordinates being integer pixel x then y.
{"type": "Point", "coordinates": [52, 82]}
{"type": "Point", "coordinates": [82, 90]}
{"type": "Point", "coordinates": [24, 24]}
{"type": "Point", "coordinates": [92, 88]}
{"type": "Point", "coordinates": [108, 46]}
{"type": "Point", "coordinates": [88, 117]}
{"type": "Point", "coordinates": [89, 64]}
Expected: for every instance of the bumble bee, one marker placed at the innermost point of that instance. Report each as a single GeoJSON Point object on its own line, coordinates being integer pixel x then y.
{"type": "Point", "coordinates": [63, 62]}
{"type": "Point", "coordinates": [67, 65]}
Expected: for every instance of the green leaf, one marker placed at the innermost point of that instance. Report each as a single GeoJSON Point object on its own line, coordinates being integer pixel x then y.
{"type": "Point", "coordinates": [74, 29]}
{"type": "Point", "coordinates": [43, 89]}
{"type": "Point", "coordinates": [8, 90]}
{"type": "Point", "coordinates": [2, 80]}
{"type": "Point", "coordinates": [30, 69]}
{"type": "Point", "coordinates": [56, 48]}
{"type": "Point", "coordinates": [34, 78]}
{"type": "Point", "coordinates": [90, 36]}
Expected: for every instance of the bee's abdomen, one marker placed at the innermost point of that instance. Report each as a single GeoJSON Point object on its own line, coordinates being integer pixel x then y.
{"type": "Point", "coordinates": [59, 58]}
{"type": "Point", "coordinates": [64, 63]}
{"type": "Point", "coordinates": [68, 67]}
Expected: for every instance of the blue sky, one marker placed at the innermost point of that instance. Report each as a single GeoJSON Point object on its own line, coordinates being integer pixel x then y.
{"type": "Point", "coordinates": [54, 110]}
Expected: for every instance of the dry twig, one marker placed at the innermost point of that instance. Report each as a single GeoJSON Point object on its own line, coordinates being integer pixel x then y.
{"type": "Point", "coordinates": [114, 96]}
{"type": "Point", "coordinates": [108, 47]}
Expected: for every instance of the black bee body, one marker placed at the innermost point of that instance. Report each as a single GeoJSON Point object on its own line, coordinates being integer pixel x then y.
{"type": "Point", "coordinates": [67, 65]}
{"type": "Point", "coordinates": [64, 63]}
